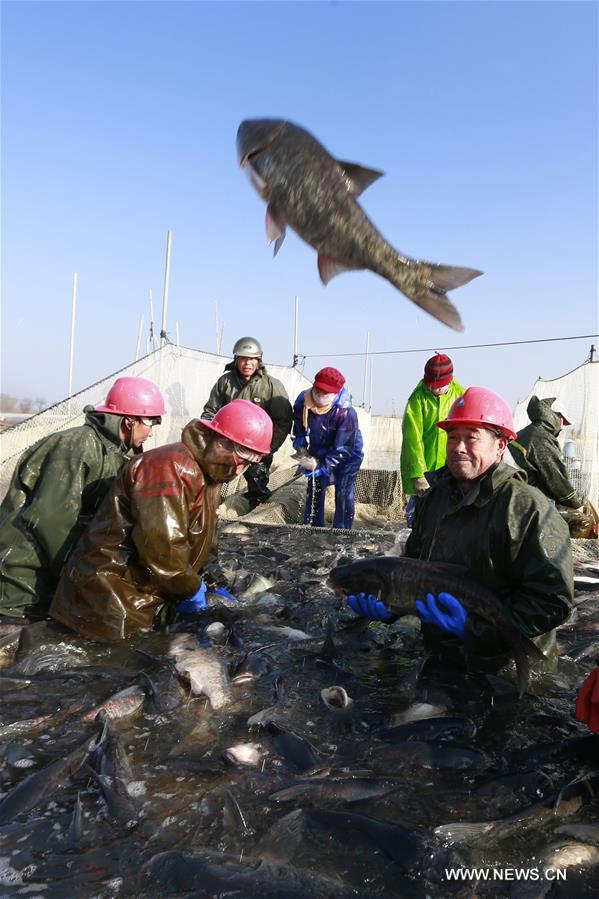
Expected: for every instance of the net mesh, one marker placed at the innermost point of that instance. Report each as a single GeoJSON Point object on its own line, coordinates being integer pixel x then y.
{"type": "Point", "coordinates": [577, 397]}
{"type": "Point", "coordinates": [185, 377]}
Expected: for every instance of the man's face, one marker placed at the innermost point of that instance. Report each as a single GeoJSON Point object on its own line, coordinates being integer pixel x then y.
{"type": "Point", "coordinates": [472, 451]}
{"type": "Point", "coordinates": [247, 366]}
{"type": "Point", "coordinates": [141, 431]}
{"type": "Point", "coordinates": [135, 431]}
{"type": "Point", "coordinates": [221, 462]}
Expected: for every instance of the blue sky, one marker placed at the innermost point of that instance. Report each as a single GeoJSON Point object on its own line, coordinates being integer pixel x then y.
{"type": "Point", "coordinates": [119, 123]}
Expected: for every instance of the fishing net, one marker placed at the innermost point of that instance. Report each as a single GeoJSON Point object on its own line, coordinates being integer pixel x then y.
{"type": "Point", "coordinates": [577, 397]}
{"type": "Point", "coordinates": [185, 377]}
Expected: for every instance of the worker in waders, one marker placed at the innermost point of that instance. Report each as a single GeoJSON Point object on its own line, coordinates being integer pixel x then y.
{"type": "Point", "coordinates": [57, 486]}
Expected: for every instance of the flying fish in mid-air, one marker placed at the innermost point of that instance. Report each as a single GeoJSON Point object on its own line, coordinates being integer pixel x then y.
{"type": "Point", "coordinates": [316, 195]}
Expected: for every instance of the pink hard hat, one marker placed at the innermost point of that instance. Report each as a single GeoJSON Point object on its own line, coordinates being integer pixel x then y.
{"type": "Point", "coordinates": [134, 396]}
{"type": "Point", "coordinates": [481, 408]}
{"type": "Point", "coordinates": [245, 423]}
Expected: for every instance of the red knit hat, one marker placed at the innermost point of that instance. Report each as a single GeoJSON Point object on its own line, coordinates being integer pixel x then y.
{"type": "Point", "coordinates": [329, 380]}
{"type": "Point", "coordinates": [438, 371]}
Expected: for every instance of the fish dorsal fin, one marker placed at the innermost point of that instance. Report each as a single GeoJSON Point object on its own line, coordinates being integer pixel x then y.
{"type": "Point", "coordinates": [359, 177]}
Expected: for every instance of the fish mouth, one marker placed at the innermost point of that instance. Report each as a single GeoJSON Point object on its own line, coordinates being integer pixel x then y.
{"type": "Point", "coordinates": [247, 157]}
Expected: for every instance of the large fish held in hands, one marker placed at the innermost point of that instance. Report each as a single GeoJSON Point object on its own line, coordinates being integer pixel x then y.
{"type": "Point", "coordinates": [316, 195]}
{"type": "Point", "coordinates": [399, 581]}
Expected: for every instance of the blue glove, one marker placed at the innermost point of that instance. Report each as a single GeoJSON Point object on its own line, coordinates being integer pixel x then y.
{"type": "Point", "coordinates": [369, 607]}
{"type": "Point", "coordinates": [195, 603]}
{"type": "Point", "coordinates": [222, 591]}
{"type": "Point", "coordinates": [453, 620]}
{"type": "Point", "coordinates": [308, 474]}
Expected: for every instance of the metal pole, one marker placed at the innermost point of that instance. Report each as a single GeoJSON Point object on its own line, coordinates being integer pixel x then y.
{"type": "Point", "coordinates": [73, 313]}
{"type": "Point", "coordinates": [140, 331]}
{"type": "Point", "coordinates": [167, 269]}
{"type": "Point", "coordinates": [295, 332]}
{"type": "Point", "coordinates": [366, 369]}
{"type": "Point", "coordinates": [592, 355]}
{"type": "Point", "coordinates": [177, 332]}
{"type": "Point", "coordinates": [150, 341]}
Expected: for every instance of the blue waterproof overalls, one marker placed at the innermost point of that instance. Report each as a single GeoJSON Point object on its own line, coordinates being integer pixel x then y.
{"type": "Point", "coordinates": [335, 440]}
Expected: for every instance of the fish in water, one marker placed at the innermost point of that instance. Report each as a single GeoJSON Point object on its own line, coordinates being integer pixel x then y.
{"type": "Point", "coordinates": [316, 195]}
{"type": "Point", "coordinates": [586, 833]}
{"type": "Point", "coordinates": [43, 783]}
{"type": "Point", "coordinates": [336, 698]}
{"type": "Point", "coordinates": [109, 756]}
{"type": "Point", "coordinates": [444, 728]}
{"type": "Point", "coordinates": [255, 585]}
{"type": "Point", "coordinates": [123, 704]}
{"type": "Point", "coordinates": [404, 845]}
{"type": "Point", "coordinates": [400, 581]}
{"type": "Point", "coordinates": [296, 751]}
{"type": "Point", "coordinates": [558, 805]}
{"type": "Point", "coordinates": [340, 789]}
{"type": "Point", "coordinates": [210, 873]}
{"type": "Point", "coordinates": [440, 756]}
{"type": "Point", "coordinates": [119, 804]}
{"type": "Point", "coordinates": [72, 839]}
{"type": "Point", "coordinates": [578, 750]}
{"type": "Point", "coordinates": [418, 711]}
{"type": "Point", "coordinates": [249, 754]}
{"type": "Point", "coordinates": [204, 668]}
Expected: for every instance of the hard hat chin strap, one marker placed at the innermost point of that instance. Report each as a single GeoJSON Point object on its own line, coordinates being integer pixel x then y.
{"type": "Point", "coordinates": [127, 425]}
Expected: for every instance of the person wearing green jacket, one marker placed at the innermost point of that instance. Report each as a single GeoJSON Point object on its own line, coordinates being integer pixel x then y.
{"type": "Point", "coordinates": [56, 487]}
{"type": "Point", "coordinates": [246, 378]}
{"type": "Point", "coordinates": [424, 445]}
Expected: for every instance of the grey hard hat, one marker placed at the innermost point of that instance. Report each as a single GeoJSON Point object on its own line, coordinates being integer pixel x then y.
{"type": "Point", "coordinates": [247, 346]}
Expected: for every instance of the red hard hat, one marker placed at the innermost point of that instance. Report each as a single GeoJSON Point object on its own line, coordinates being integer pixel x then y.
{"type": "Point", "coordinates": [245, 423]}
{"type": "Point", "coordinates": [329, 380]}
{"type": "Point", "coordinates": [134, 396]}
{"type": "Point", "coordinates": [481, 408]}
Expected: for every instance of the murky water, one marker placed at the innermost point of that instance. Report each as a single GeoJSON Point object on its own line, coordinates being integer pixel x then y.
{"type": "Point", "coordinates": [183, 795]}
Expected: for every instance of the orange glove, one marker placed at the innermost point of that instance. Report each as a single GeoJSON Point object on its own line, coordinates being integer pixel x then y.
{"type": "Point", "coordinates": [587, 701]}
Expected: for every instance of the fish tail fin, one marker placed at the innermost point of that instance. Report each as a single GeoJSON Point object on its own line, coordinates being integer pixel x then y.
{"type": "Point", "coordinates": [522, 668]}
{"type": "Point", "coordinates": [426, 284]}
{"type": "Point", "coordinates": [463, 831]}
{"type": "Point", "coordinates": [448, 277]}
{"type": "Point", "coordinates": [525, 652]}
{"type": "Point", "coordinates": [329, 648]}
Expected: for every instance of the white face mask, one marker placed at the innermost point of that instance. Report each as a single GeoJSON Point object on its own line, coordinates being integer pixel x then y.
{"type": "Point", "coordinates": [322, 399]}
{"type": "Point", "coordinates": [438, 391]}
